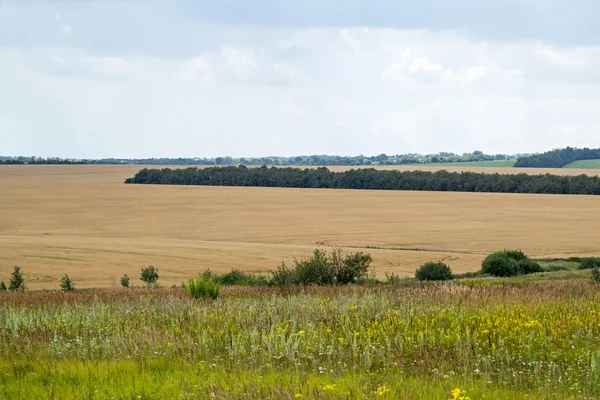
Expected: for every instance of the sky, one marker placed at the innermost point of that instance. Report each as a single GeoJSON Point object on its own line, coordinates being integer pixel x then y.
{"type": "Point", "coordinates": [200, 78]}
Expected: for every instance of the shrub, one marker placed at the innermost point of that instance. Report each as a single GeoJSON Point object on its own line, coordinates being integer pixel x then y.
{"type": "Point", "coordinates": [283, 276]}
{"type": "Point", "coordinates": [17, 282]}
{"type": "Point", "coordinates": [203, 288]}
{"type": "Point", "coordinates": [589, 263]}
{"type": "Point", "coordinates": [239, 278]}
{"type": "Point", "coordinates": [516, 255]}
{"type": "Point", "coordinates": [315, 270]}
{"type": "Point", "coordinates": [392, 278]}
{"type": "Point", "coordinates": [525, 267]}
{"type": "Point", "coordinates": [500, 264]}
{"type": "Point", "coordinates": [67, 284]}
{"type": "Point", "coordinates": [509, 263]}
{"type": "Point", "coordinates": [125, 281]}
{"type": "Point", "coordinates": [3, 287]}
{"type": "Point", "coordinates": [595, 277]}
{"type": "Point", "coordinates": [150, 276]}
{"type": "Point", "coordinates": [350, 268]}
{"type": "Point", "coordinates": [434, 271]}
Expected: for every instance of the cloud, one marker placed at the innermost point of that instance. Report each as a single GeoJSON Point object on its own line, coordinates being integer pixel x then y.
{"type": "Point", "coordinates": [242, 65]}
{"type": "Point", "coordinates": [168, 85]}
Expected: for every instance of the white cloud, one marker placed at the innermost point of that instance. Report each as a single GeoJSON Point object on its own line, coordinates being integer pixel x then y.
{"type": "Point", "coordinates": [243, 65]}
{"type": "Point", "coordinates": [116, 67]}
{"type": "Point", "coordinates": [257, 91]}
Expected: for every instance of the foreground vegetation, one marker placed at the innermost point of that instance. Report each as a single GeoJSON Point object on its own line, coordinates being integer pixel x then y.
{"type": "Point", "coordinates": [373, 179]}
{"type": "Point", "coordinates": [420, 341]}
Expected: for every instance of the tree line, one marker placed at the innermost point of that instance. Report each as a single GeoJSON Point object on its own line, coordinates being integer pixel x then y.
{"type": "Point", "coordinates": [557, 158]}
{"type": "Point", "coordinates": [317, 160]}
{"type": "Point", "coordinates": [370, 178]}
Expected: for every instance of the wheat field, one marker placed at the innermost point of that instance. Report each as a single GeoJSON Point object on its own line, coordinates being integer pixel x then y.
{"type": "Point", "coordinates": [82, 220]}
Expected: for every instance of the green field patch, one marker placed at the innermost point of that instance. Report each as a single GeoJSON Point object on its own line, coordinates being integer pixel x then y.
{"type": "Point", "coordinates": [584, 164]}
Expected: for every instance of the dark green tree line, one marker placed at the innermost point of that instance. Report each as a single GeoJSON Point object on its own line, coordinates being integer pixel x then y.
{"type": "Point", "coordinates": [372, 179]}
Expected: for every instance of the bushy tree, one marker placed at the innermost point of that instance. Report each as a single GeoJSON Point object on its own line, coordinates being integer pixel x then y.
{"type": "Point", "coordinates": [500, 264]}
{"type": "Point", "coordinates": [315, 270]}
{"type": "Point", "coordinates": [150, 276]}
{"type": "Point", "coordinates": [349, 268]}
{"type": "Point", "coordinates": [589, 263]}
{"type": "Point", "coordinates": [283, 276]}
{"type": "Point", "coordinates": [509, 263]}
{"type": "Point", "coordinates": [3, 287]}
{"type": "Point", "coordinates": [595, 277]}
{"type": "Point", "coordinates": [17, 281]}
{"type": "Point", "coordinates": [434, 271]}
{"type": "Point", "coordinates": [525, 267]}
{"type": "Point", "coordinates": [67, 284]}
{"type": "Point", "coordinates": [125, 281]}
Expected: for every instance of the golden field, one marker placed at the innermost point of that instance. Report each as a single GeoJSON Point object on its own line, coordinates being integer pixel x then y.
{"type": "Point", "coordinates": [82, 220]}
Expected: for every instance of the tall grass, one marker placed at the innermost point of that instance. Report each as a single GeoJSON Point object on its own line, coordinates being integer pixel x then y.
{"type": "Point", "coordinates": [529, 340]}
{"type": "Point", "coordinates": [203, 288]}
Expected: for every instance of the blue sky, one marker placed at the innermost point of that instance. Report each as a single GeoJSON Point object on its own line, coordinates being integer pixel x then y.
{"type": "Point", "coordinates": [93, 78]}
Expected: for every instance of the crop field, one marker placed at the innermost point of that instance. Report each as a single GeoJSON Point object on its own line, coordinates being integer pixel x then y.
{"type": "Point", "coordinates": [82, 220]}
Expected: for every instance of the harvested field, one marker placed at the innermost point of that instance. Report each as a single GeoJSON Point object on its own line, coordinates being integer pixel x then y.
{"type": "Point", "coordinates": [82, 220]}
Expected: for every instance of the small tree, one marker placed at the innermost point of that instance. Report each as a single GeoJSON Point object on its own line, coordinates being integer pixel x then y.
{"type": "Point", "coordinates": [17, 282]}
{"type": "Point", "coordinates": [595, 277]}
{"type": "Point", "coordinates": [3, 287]}
{"type": "Point", "coordinates": [349, 268]}
{"type": "Point", "coordinates": [67, 284]}
{"type": "Point", "coordinates": [125, 281]}
{"type": "Point", "coordinates": [149, 275]}
{"type": "Point", "coordinates": [315, 270]}
{"type": "Point", "coordinates": [434, 271]}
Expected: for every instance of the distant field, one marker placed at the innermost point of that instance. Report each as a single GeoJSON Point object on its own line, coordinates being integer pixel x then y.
{"type": "Point", "coordinates": [82, 220]}
{"type": "Point", "coordinates": [584, 164]}
{"type": "Point", "coordinates": [489, 164]}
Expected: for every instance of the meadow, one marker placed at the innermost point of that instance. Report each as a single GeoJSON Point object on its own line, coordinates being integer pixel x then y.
{"type": "Point", "coordinates": [584, 164]}
{"type": "Point", "coordinates": [82, 220]}
{"type": "Point", "coordinates": [420, 341]}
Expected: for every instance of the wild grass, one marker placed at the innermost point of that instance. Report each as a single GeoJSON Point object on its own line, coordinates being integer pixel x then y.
{"type": "Point", "coordinates": [519, 340]}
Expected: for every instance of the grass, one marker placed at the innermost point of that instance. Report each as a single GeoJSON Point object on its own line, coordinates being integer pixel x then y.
{"type": "Point", "coordinates": [584, 164]}
{"type": "Point", "coordinates": [520, 340]}
{"type": "Point", "coordinates": [97, 231]}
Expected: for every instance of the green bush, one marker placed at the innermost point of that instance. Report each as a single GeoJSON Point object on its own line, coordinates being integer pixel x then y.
{"type": "Point", "coordinates": [239, 278]}
{"type": "Point", "coordinates": [17, 281]}
{"type": "Point", "coordinates": [350, 268]}
{"type": "Point", "coordinates": [434, 271]}
{"type": "Point", "coordinates": [3, 287]}
{"type": "Point", "coordinates": [525, 267]}
{"type": "Point", "coordinates": [589, 263]}
{"type": "Point", "coordinates": [500, 264]}
{"type": "Point", "coordinates": [516, 255]}
{"type": "Point", "coordinates": [199, 287]}
{"type": "Point", "coordinates": [315, 270]}
{"type": "Point", "coordinates": [67, 284]}
{"type": "Point", "coordinates": [125, 281]}
{"type": "Point", "coordinates": [283, 276]}
{"type": "Point", "coordinates": [149, 275]}
{"type": "Point", "coordinates": [595, 277]}
{"type": "Point", "coordinates": [509, 263]}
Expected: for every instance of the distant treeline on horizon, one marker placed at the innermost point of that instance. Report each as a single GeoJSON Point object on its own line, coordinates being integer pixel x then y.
{"type": "Point", "coordinates": [550, 159]}
{"type": "Point", "coordinates": [370, 178]}
{"type": "Point", "coordinates": [316, 160]}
